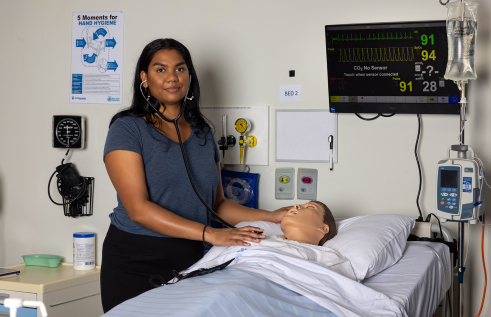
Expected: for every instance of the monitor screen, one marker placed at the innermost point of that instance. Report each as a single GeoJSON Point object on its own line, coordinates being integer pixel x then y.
{"type": "Point", "coordinates": [389, 68]}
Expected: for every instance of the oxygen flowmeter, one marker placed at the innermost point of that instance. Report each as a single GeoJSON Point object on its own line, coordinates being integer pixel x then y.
{"type": "Point", "coordinates": [225, 141]}
{"type": "Point", "coordinates": [243, 126]}
{"type": "Point", "coordinates": [460, 196]}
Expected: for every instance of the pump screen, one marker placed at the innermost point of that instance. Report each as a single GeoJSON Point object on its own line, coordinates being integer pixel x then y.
{"type": "Point", "coordinates": [449, 179]}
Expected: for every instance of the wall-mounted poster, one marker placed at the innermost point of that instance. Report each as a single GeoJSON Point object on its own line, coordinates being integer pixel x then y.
{"type": "Point", "coordinates": [97, 57]}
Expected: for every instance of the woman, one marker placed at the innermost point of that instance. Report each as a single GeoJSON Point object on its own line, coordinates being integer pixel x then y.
{"type": "Point", "coordinates": [159, 224]}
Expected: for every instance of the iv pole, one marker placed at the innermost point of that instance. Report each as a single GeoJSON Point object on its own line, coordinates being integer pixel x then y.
{"type": "Point", "coordinates": [463, 119]}
{"type": "Point", "coordinates": [461, 148]}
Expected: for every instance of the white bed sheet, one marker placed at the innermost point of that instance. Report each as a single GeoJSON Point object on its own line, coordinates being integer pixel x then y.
{"type": "Point", "coordinates": [415, 281]}
{"type": "Point", "coordinates": [339, 294]}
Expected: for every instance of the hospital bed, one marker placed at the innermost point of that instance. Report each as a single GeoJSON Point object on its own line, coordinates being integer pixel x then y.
{"type": "Point", "coordinates": [423, 285]}
{"type": "Point", "coordinates": [415, 285]}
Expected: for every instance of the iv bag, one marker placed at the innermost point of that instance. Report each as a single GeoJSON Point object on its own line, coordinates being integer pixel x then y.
{"type": "Point", "coordinates": [461, 36]}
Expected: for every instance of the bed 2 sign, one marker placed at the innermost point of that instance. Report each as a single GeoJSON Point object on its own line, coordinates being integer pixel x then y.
{"type": "Point", "coordinates": [291, 93]}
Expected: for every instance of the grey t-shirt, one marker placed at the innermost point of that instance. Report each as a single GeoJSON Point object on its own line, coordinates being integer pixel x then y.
{"type": "Point", "coordinates": [167, 180]}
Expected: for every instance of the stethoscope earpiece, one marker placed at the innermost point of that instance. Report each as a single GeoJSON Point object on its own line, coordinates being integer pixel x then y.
{"type": "Point", "coordinates": [158, 112]}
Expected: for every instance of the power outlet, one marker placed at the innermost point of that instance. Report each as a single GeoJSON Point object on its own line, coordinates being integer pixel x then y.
{"type": "Point", "coordinates": [284, 182]}
{"type": "Point", "coordinates": [307, 184]}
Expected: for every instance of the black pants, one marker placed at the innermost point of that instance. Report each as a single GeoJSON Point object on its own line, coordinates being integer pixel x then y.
{"type": "Point", "coordinates": [128, 261]}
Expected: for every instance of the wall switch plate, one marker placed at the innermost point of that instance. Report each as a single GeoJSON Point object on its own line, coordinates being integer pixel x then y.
{"type": "Point", "coordinates": [307, 184]}
{"type": "Point", "coordinates": [284, 183]}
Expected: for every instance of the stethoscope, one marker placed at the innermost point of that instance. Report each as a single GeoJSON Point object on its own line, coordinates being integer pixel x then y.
{"type": "Point", "coordinates": [182, 148]}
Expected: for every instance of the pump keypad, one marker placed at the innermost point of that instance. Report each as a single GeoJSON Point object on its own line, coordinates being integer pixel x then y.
{"type": "Point", "coordinates": [448, 198]}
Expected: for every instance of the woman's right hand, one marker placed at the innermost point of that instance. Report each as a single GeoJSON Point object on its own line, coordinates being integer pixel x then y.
{"type": "Point", "coordinates": [233, 236]}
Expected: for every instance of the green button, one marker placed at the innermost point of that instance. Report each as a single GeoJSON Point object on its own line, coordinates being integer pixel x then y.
{"type": "Point", "coordinates": [442, 198]}
{"type": "Point", "coordinates": [335, 99]}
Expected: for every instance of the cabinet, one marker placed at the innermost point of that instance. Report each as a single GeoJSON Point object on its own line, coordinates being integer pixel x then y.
{"type": "Point", "coordinates": [63, 290]}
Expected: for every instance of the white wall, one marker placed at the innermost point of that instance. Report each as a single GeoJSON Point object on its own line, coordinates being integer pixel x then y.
{"type": "Point", "coordinates": [243, 51]}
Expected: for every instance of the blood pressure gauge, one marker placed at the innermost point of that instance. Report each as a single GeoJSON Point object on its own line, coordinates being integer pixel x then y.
{"type": "Point", "coordinates": [242, 125]}
{"type": "Point", "coordinates": [68, 132]}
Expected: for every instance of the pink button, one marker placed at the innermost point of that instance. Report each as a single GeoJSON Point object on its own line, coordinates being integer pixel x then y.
{"type": "Point", "coordinates": [307, 180]}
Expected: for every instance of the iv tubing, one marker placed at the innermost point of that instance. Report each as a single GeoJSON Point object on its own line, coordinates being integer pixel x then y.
{"type": "Point", "coordinates": [463, 112]}
{"type": "Point", "coordinates": [484, 267]}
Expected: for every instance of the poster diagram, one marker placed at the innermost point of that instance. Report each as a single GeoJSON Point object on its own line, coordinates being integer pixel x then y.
{"type": "Point", "coordinates": [97, 57]}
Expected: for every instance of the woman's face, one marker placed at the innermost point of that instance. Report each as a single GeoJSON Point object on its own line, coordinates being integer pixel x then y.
{"type": "Point", "coordinates": [167, 78]}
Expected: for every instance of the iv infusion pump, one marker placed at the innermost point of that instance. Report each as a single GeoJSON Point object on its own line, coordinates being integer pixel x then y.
{"type": "Point", "coordinates": [460, 196]}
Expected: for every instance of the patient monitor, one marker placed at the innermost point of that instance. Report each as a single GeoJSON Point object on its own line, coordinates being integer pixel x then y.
{"type": "Point", "coordinates": [460, 196]}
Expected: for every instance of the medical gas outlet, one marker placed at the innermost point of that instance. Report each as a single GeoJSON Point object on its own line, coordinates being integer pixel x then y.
{"type": "Point", "coordinates": [243, 126]}
{"type": "Point", "coordinates": [285, 180]}
{"type": "Point", "coordinates": [307, 184]}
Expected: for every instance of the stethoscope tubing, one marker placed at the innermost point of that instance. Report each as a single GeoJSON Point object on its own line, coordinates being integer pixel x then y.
{"type": "Point", "coordinates": [183, 152]}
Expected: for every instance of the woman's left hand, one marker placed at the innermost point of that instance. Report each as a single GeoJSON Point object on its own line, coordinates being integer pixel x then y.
{"type": "Point", "coordinates": [277, 215]}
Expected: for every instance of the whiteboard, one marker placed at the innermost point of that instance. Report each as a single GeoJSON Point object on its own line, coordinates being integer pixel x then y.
{"type": "Point", "coordinates": [302, 135]}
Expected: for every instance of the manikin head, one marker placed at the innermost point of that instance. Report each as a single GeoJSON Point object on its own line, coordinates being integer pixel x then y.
{"type": "Point", "coordinates": [311, 223]}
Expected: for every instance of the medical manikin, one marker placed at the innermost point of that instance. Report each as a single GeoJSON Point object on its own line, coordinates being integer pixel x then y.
{"type": "Point", "coordinates": [310, 223]}
{"type": "Point", "coordinates": [305, 229]}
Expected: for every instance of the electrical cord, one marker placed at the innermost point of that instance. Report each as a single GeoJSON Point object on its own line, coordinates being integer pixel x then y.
{"type": "Point", "coordinates": [415, 154]}
{"type": "Point", "coordinates": [419, 170]}
{"type": "Point", "coordinates": [373, 118]}
{"type": "Point", "coordinates": [439, 224]}
{"type": "Point", "coordinates": [367, 119]}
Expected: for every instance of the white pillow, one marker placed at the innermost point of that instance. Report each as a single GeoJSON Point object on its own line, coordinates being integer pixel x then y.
{"type": "Point", "coordinates": [372, 243]}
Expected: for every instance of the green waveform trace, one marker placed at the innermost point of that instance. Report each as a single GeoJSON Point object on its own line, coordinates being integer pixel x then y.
{"type": "Point", "coordinates": [373, 37]}
{"type": "Point", "coordinates": [380, 54]}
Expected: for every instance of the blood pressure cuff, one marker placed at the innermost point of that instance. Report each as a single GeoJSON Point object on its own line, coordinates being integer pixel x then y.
{"type": "Point", "coordinates": [241, 187]}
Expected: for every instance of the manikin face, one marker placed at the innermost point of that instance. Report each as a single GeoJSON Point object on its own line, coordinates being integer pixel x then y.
{"type": "Point", "coordinates": [167, 77]}
{"type": "Point", "coordinates": [307, 218]}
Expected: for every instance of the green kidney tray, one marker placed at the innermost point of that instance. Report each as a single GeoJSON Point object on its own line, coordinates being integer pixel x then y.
{"type": "Point", "coordinates": [42, 260]}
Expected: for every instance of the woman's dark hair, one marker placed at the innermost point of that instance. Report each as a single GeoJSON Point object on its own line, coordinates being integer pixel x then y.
{"type": "Point", "coordinates": [328, 220]}
{"type": "Point", "coordinates": [139, 106]}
